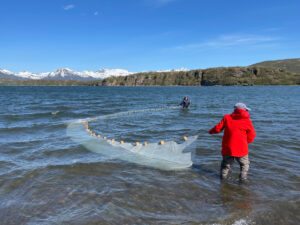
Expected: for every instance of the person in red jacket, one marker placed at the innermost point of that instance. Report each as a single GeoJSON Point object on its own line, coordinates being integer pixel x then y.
{"type": "Point", "coordinates": [238, 132]}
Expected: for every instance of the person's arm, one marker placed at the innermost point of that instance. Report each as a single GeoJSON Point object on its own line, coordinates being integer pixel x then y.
{"type": "Point", "coordinates": [218, 128]}
{"type": "Point", "coordinates": [181, 103]}
{"type": "Point", "coordinates": [250, 133]}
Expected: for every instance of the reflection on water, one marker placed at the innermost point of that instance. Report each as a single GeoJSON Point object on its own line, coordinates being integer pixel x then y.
{"type": "Point", "coordinates": [47, 178]}
{"type": "Point", "coordinates": [237, 199]}
{"type": "Point", "coordinates": [167, 156]}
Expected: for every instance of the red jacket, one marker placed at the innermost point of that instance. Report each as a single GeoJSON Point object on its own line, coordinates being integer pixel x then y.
{"type": "Point", "coordinates": [238, 133]}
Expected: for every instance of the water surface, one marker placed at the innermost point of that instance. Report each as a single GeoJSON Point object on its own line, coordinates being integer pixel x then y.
{"type": "Point", "coordinates": [46, 178]}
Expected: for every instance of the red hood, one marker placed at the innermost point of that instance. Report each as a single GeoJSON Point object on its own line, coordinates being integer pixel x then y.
{"type": "Point", "coordinates": [240, 114]}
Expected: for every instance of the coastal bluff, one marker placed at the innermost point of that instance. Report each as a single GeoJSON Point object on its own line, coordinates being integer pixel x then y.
{"type": "Point", "coordinates": [223, 76]}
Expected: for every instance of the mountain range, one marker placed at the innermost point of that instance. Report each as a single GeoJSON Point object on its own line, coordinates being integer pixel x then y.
{"type": "Point", "coordinates": [292, 65]}
{"type": "Point", "coordinates": [67, 74]}
{"type": "Point", "coordinates": [277, 72]}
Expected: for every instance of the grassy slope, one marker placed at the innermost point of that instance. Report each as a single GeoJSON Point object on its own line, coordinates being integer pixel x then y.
{"type": "Point", "coordinates": [292, 65]}
{"type": "Point", "coordinates": [279, 72]}
{"type": "Point", "coordinates": [208, 77]}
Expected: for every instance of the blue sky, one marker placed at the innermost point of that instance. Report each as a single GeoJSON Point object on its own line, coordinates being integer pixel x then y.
{"type": "Point", "coordinates": [142, 35]}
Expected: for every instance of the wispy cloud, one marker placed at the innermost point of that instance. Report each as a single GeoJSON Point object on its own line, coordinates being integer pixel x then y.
{"type": "Point", "coordinates": [165, 1]}
{"type": "Point", "coordinates": [271, 29]}
{"type": "Point", "coordinates": [160, 2]}
{"type": "Point", "coordinates": [229, 41]}
{"type": "Point", "coordinates": [96, 13]}
{"type": "Point", "coordinates": [69, 7]}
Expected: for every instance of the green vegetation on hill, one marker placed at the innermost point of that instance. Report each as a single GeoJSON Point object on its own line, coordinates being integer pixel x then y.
{"type": "Point", "coordinates": [253, 75]}
{"type": "Point", "coordinates": [292, 65]}
{"type": "Point", "coordinates": [208, 77]}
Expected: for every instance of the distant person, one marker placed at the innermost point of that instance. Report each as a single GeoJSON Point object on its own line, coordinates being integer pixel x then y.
{"type": "Point", "coordinates": [238, 132]}
{"type": "Point", "coordinates": [185, 103]}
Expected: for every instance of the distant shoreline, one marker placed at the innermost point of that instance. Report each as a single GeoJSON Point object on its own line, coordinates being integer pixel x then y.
{"type": "Point", "coordinates": [221, 76]}
{"type": "Point", "coordinates": [278, 72]}
{"type": "Point", "coordinates": [279, 85]}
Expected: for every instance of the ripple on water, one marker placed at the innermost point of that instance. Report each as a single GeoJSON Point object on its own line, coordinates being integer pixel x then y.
{"type": "Point", "coordinates": [45, 178]}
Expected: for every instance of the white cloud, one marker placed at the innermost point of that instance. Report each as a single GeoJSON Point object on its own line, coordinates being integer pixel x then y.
{"type": "Point", "coordinates": [229, 41]}
{"type": "Point", "coordinates": [96, 13]}
{"type": "Point", "coordinates": [69, 7]}
{"type": "Point", "coordinates": [165, 1]}
{"type": "Point", "coordinates": [271, 29]}
{"type": "Point", "coordinates": [159, 2]}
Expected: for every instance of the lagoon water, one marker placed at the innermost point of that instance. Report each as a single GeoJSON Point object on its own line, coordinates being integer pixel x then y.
{"type": "Point", "coordinates": [47, 178]}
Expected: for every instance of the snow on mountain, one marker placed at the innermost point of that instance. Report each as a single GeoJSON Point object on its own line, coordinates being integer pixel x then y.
{"type": "Point", "coordinates": [65, 74]}
{"type": "Point", "coordinates": [174, 70]}
{"type": "Point", "coordinates": [170, 70]}
{"type": "Point", "coordinates": [8, 74]}
{"type": "Point", "coordinates": [19, 76]}
{"type": "Point", "coordinates": [28, 75]}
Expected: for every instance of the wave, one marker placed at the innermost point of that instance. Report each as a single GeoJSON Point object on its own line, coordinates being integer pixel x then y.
{"type": "Point", "coordinates": [167, 156]}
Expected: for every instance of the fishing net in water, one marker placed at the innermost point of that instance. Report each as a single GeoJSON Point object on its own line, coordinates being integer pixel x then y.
{"type": "Point", "coordinates": [167, 156]}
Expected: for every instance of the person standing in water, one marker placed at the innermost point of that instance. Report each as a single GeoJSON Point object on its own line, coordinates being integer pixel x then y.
{"type": "Point", "coordinates": [238, 132]}
{"type": "Point", "coordinates": [185, 103]}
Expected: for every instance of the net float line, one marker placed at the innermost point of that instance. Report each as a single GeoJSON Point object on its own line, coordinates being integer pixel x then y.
{"type": "Point", "coordinates": [93, 119]}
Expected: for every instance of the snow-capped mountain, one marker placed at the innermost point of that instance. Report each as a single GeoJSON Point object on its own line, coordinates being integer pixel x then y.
{"type": "Point", "coordinates": [65, 74]}
{"type": "Point", "coordinates": [174, 70]}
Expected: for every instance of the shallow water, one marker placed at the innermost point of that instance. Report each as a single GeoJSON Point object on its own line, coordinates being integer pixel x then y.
{"type": "Point", "coordinates": [47, 178]}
